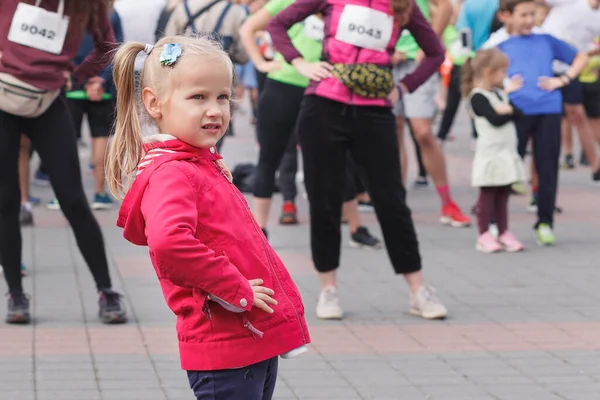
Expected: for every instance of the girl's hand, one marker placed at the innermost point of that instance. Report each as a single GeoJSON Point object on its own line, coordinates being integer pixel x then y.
{"type": "Point", "coordinates": [513, 84]}
{"type": "Point", "coordinates": [269, 66]}
{"type": "Point", "coordinates": [503, 109]}
{"type": "Point", "coordinates": [262, 296]}
{"type": "Point", "coordinates": [549, 84]}
{"type": "Point", "coordinates": [313, 71]}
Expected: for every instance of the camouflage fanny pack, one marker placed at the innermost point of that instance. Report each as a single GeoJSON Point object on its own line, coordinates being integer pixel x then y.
{"type": "Point", "coordinates": [366, 80]}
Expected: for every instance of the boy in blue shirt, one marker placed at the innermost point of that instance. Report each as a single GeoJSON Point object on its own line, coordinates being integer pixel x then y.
{"type": "Point", "coordinates": [531, 56]}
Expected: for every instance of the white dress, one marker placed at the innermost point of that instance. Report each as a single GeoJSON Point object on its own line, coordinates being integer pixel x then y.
{"type": "Point", "coordinates": [496, 162]}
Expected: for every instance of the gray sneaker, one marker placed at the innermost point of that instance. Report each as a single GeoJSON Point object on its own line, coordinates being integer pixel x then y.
{"type": "Point", "coordinates": [25, 216]}
{"type": "Point", "coordinates": [426, 305]}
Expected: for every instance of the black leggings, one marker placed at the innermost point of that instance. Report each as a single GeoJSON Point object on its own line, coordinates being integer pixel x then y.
{"type": "Point", "coordinates": [278, 109]}
{"type": "Point", "coordinates": [288, 169]}
{"type": "Point", "coordinates": [327, 131]}
{"type": "Point", "coordinates": [53, 137]}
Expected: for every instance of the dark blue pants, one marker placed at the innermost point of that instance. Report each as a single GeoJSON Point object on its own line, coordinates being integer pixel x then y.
{"type": "Point", "coordinates": [545, 132]}
{"type": "Point", "coordinates": [255, 382]}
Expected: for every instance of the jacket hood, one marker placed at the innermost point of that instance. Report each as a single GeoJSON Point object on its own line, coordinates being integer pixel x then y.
{"type": "Point", "coordinates": [158, 150]}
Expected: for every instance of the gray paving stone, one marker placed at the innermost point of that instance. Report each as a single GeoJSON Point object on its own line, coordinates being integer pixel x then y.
{"type": "Point", "coordinates": [140, 394]}
{"type": "Point", "coordinates": [67, 395]}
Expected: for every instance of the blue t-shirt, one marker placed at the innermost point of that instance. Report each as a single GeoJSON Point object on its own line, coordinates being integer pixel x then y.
{"type": "Point", "coordinates": [531, 57]}
{"type": "Point", "coordinates": [477, 15]}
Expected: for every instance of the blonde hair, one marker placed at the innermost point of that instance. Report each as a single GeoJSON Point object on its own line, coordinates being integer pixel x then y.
{"type": "Point", "coordinates": [489, 60]}
{"type": "Point", "coordinates": [126, 149]}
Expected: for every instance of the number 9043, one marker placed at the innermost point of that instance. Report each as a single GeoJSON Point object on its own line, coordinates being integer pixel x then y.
{"type": "Point", "coordinates": [34, 30]}
{"type": "Point", "coordinates": [363, 30]}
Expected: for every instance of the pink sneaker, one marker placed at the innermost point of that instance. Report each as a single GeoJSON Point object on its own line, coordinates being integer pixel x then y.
{"type": "Point", "coordinates": [510, 242]}
{"type": "Point", "coordinates": [487, 244]}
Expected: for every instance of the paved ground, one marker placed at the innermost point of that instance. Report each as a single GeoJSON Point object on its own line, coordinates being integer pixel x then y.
{"type": "Point", "coordinates": [522, 326]}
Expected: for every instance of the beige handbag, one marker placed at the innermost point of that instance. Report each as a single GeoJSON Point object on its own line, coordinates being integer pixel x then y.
{"type": "Point", "coordinates": [22, 99]}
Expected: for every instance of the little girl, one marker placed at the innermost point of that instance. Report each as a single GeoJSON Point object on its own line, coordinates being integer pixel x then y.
{"type": "Point", "coordinates": [237, 307]}
{"type": "Point", "coordinates": [497, 164]}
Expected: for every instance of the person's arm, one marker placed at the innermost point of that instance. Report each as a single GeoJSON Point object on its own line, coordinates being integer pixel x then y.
{"type": "Point", "coordinates": [257, 22]}
{"type": "Point", "coordinates": [237, 51]}
{"type": "Point", "coordinates": [101, 56]}
{"type": "Point", "coordinates": [170, 213]}
{"type": "Point", "coordinates": [442, 16]}
{"type": "Point", "coordinates": [429, 42]}
{"type": "Point", "coordinates": [280, 24]}
{"type": "Point", "coordinates": [569, 55]}
{"type": "Point", "coordinates": [482, 107]}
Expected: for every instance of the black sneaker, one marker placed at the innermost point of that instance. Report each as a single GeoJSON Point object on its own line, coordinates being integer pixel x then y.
{"type": "Point", "coordinates": [112, 310]}
{"type": "Point", "coordinates": [568, 162]}
{"type": "Point", "coordinates": [365, 206]}
{"type": "Point", "coordinates": [596, 176]}
{"type": "Point", "coordinates": [583, 159]}
{"type": "Point", "coordinates": [421, 181]}
{"type": "Point", "coordinates": [18, 309]}
{"type": "Point", "coordinates": [265, 232]}
{"type": "Point", "coordinates": [362, 238]}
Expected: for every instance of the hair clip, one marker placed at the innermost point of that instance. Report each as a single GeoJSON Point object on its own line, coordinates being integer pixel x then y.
{"type": "Point", "coordinates": [148, 49]}
{"type": "Point", "coordinates": [170, 53]}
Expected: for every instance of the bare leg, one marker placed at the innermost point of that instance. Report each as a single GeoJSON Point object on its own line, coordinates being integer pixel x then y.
{"type": "Point", "coordinates": [351, 215]}
{"type": "Point", "coordinates": [567, 137]}
{"type": "Point", "coordinates": [578, 119]}
{"type": "Point", "coordinates": [99, 146]}
{"type": "Point", "coordinates": [262, 206]}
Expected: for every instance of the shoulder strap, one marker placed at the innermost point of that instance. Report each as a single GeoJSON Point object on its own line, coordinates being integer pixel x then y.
{"type": "Point", "coordinates": [221, 18]}
{"type": "Point", "coordinates": [193, 18]}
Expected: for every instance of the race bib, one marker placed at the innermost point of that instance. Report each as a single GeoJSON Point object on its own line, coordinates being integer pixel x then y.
{"type": "Point", "coordinates": [40, 29]}
{"type": "Point", "coordinates": [314, 28]}
{"type": "Point", "coordinates": [364, 27]}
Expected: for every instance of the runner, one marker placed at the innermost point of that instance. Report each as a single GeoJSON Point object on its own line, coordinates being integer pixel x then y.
{"type": "Point", "coordinates": [339, 114]}
{"type": "Point", "coordinates": [35, 67]}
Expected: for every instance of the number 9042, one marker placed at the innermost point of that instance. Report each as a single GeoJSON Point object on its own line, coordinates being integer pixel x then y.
{"type": "Point", "coordinates": [34, 30]}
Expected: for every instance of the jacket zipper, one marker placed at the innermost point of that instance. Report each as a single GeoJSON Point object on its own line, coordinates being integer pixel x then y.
{"type": "Point", "coordinates": [247, 323]}
{"type": "Point", "coordinates": [252, 328]}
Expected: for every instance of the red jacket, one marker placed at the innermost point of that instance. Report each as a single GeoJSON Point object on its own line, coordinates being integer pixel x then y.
{"type": "Point", "coordinates": [203, 241]}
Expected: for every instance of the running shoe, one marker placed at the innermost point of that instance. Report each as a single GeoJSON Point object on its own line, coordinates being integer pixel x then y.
{"type": "Point", "coordinates": [421, 181]}
{"type": "Point", "coordinates": [510, 243]}
{"type": "Point", "coordinates": [102, 201]}
{"type": "Point", "coordinates": [53, 205]}
{"type": "Point", "coordinates": [18, 309]}
{"type": "Point", "coordinates": [328, 306]}
{"type": "Point", "coordinates": [425, 304]}
{"type": "Point", "coordinates": [568, 162]}
{"type": "Point", "coordinates": [596, 177]}
{"type": "Point", "coordinates": [453, 216]}
{"type": "Point", "coordinates": [518, 189]}
{"type": "Point", "coordinates": [25, 216]}
{"type": "Point", "coordinates": [363, 239]}
{"type": "Point", "coordinates": [41, 178]}
{"type": "Point", "coordinates": [34, 201]}
{"type": "Point", "coordinates": [112, 309]}
{"type": "Point", "coordinates": [289, 214]}
{"type": "Point", "coordinates": [545, 235]}
{"type": "Point", "coordinates": [486, 243]}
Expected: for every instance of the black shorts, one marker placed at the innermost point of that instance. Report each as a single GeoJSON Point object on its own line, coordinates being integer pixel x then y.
{"type": "Point", "coordinates": [591, 99]}
{"type": "Point", "coordinates": [573, 93]}
{"type": "Point", "coordinates": [100, 115]}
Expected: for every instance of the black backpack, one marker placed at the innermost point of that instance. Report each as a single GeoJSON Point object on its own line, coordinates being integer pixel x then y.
{"type": "Point", "coordinates": [225, 41]}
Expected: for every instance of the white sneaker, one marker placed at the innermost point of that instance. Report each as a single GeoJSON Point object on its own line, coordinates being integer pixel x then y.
{"type": "Point", "coordinates": [426, 305]}
{"type": "Point", "coordinates": [328, 306]}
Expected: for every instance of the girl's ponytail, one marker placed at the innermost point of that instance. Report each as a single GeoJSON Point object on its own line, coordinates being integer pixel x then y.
{"type": "Point", "coordinates": [467, 74]}
{"type": "Point", "coordinates": [126, 147]}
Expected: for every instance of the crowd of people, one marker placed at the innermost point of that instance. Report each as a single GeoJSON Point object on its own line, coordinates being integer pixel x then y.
{"type": "Point", "coordinates": [336, 83]}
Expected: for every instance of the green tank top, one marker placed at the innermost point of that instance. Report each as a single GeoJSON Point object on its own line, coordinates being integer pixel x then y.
{"type": "Point", "coordinates": [407, 43]}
